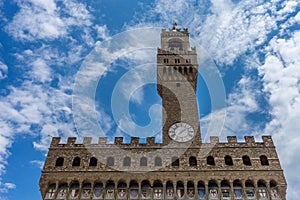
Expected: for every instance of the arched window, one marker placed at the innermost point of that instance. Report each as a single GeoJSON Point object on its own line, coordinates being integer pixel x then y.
{"type": "Point", "coordinates": [157, 161]}
{"type": "Point", "coordinates": [191, 70]}
{"type": "Point", "coordinates": [190, 190]}
{"type": "Point", "coordinates": [246, 160]}
{"type": "Point", "coordinates": [51, 191]}
{"type": "Point", "coordinates": [74, 190]}
{"type": "Point", "coordinates": [264, 160]}
{"type": "Point", "coordinates": [169, 190]}
{"type": "Point", "coordinates": [213, 189]}
{"type": "Point", "coordinates": [210, 160]}
{"type": "Point", "coordinates": [62, 191]}
{"type": "Point", "coordinates": [201, 189]}
{"type": "Point", "coordinates": [274, 190]}
{"type": "Point", "coordinates": [110, 189]}
{"type": "Point", "coordinates": [175, 161]}
{"type": "Point", "coordinates": [237, 189]}
{"type": "Point", "coordinates": [228, 161]}
{"type": "Point", "coordinates": [180, 189]}
{"type": "Point", "coordinates": [98, 190]}
{"type": "Point", "coordinates": [146, 189]}
{"type": "Point", "coordinates": [250, 193]}
{"type": "Point", "coordinates": [185, 70]}
{"type": "Point", "coordinates": [225, 189]}
{"type": "Point", "coordinates": [59, 162]}
{"type": "Point", "coordinates": [76, 162]}
{"type": "Point", "coordinates": [127, 161]}
{"type": "Point", "coordinates": [93, 162]}
{"type": "Point", "coordinates": [86, 191]}
{"type": "Point", "coordinates": [122, 190]}
{"type": "Point", "coordinates": [157, 190]}
{"type": "Point", "coordinates": [110, 161]}
{"type": "Point", "coordinates": [262, 190]}
{"type": "Point", "coordinates": [193, 161]}
{"type": "Point", "coordinates": [143, 161]}
{"type": "Point", "coordinates": [133, 189]}
{"type": "Point", "coordinates": [180, 70]}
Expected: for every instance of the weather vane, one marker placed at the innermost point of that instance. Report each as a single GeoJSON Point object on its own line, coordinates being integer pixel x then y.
{"type": "Point", "coordinates": [174, 25]}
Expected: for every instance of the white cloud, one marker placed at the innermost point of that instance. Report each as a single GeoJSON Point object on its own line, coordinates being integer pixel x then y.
{"type": "Point", "coordinates": [5, 187]}
{"type": "Point", "coordinates": [3, 70]}
{"type": "Point", "coordinates": [281, 78]}
{"type": "Point", "coordinates": [39, 19]}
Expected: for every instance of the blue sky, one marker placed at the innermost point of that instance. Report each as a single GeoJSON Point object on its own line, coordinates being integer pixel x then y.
{"type": "Point", "coordinates": [254, 45]}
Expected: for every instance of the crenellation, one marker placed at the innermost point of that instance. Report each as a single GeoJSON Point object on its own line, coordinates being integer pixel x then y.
{"type": "Point", "coordinates": [102, 140]}
{"type": "Point", "coordinates": [150, 141]}
{"type": "Point", "coordinates": [87, 140]}
{"type": "Point", "coordinates": [231, 139]}
{"type": "Point", "coordinates": [55, 141]}
{"type": "Point", "coordinates": [268, 141]}
{"type": "Point", "coordinates": [118, 140]}
{"type": "Point", "coordinates": [134, 141]}
{"type": "Point", "coordinates": [250, 140]}
{"type": "Point", "coordinates": [71, 141]}
{"type": "Point", "coordinates": [214, 139]}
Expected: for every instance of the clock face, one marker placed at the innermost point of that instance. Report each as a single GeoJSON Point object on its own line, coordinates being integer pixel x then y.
{"type": "Point", "coordinates": [181, 132]}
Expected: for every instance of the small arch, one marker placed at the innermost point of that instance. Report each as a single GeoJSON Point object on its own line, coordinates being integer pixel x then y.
{"type": "Point", "coordinates": [193, 161]}
{"type": "Point", "coordinates": [143, 161]}
{"type": "Point", "coordinates": [213, 189]}
{"type": "Point", "coordinates": [210, 160]}
{"type": "Point", "coordinates": [237, 189]}
{"type": "Point", "coordinates": [274, 190]}
{"type": "Point", "coordinates": [180, 70]}
{"type": "Point", "coordinates": [169, 190]}
{"type": "Point", "coordinates": [157, 189]}
{"type": "Point", "coordinates": [201, 189]}
{"type": "Point", "coordinates": [246, 160]}
{"type": "Point", "coordinates": [59, 162]}
{"type": "Point", "coordinates": [264, 160]}
{"type": "Point", "coordinates": [98, 190]}
{"type": "Point", "coordinates": [51, 191]}
{"type": "Point", "coordinates": [122, 189]}
{"type": "Point", "coordinates": [190, 70]}
{"type": "Point", "coordinates": [180, 189]}
{"type": "Point", "coordinates": [74, 190]}
{"type": "Point", "coordinates": [250, 192]}
{"type": "Point", "coordinates": [175, 70]}
{"type": "Point", "coordinates": [62, 191]}
{"type": "Point", "coordinates": [190, 189]}
{"type": "Point", "coordinates": [262, 189]}
{"type": "Point", "coordinates": [127, 161]}
{"type": "Point", "coordinates": [133, 189]}
{"type": "Point", "coordinates": [93, 162]}
{"type": "Point", "coordinates": [228, 161]}
{"type": "Point", "coordinates": [225, 189]}
{"type": "Point", "coordinates": [110, 189]}
{"type": "Point", "coordinates": [76, 162]}
{"type": "Point", "coordinates": [86, 191]}
{"type": "Point", "coordinates": [146, 189]}
{"type": "Point", "coordinates": [158, 161]}
{"type": "Point", "coordinates": [185, 70]}
{"type": "Point", "coordinates": [175, 161]}
{"type": "Point", "coordinates": [110, 161]}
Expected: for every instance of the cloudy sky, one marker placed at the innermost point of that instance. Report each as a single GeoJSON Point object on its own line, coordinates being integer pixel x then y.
{"type": "Point", "coordinates": [254, 45]}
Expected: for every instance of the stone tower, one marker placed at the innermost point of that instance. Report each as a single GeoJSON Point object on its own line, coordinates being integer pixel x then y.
{"type": "Point", "coordinates": [181, 167]}
{"type": "Point", "coordinates": [177, 72]}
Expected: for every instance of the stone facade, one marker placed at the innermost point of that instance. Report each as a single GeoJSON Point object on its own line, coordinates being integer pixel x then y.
{"type": "Point", "coordinates": [171, 169]}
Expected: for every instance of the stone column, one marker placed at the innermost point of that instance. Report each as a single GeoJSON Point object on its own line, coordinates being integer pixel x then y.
{"type": "Point", "coordinates": [206, 190]}
{"type": "Point", "coordinates": [231, 189]}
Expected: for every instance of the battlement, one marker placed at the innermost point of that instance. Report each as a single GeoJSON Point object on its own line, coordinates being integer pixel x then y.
{"type": "Point", "coordinates": [175, 31]}
{"type": "Point", "coordinates": [150, 142]}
